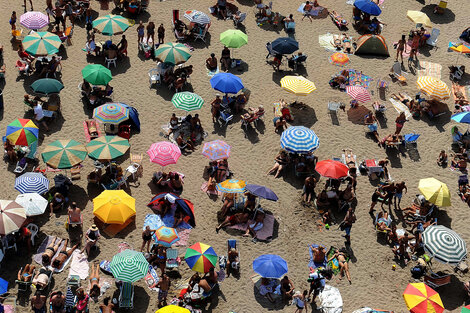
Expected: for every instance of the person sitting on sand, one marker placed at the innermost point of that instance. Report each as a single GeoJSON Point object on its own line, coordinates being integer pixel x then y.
{"type": "Point", "coordinates": [237, 218]}
{"type": "Point", "coordinates": [442, 158]}
{"type": "Point", "coordinates": [267, 288]}
{"type": "Point", "coordinates": [250, 201]}
{"type": "Point", "coordinates": [211, 63]}
{"type": "Point", "coordinates": [57, 203]}
{"type": "Point", "coordinates": [176, 183]}
{"type": "Point", "coordinates": [233, 261]}
{"type": "Point", "coordinates": [256, 225]}
{"type": "Point", "coordinates": [81, 304]}
{"type": "Point", "coordinates": [391, 140]}
{"type": "Point", "coordinates": [306, 11]}
{"type": "Point", "coordinates": [95, 288]}
{"type": "Point", "coordinates": [183, 144]}
{"type": "Point", "coordinates": [279, 124]}
{"type": "Point", "coordinates": [38, 302]}
{"type": "Point", "coordinates": [458, 161]}
{"type": "Point", "coordinates": [281, 161]}
{"type": "Point", "coordinates": [343, 264]}
{"type": "Point", "coordinates": [319, 254]}
{"type": "Point", "coordinates": [287, 289]}
{"type": "Point", "coordinates": [26, 273]}
{"type": "Point", "coordinates": [371, 123]}
{"type": "Point", "coordinates": [107, 306]}
{"type": "Point", "coordinates": [228, 202]}
{"type": "Point", "coordinates": [323, 202]}
{"type": "Point", "coordinates": [63, 255]}
{"type": "Point", "coordinates": [57, 301]}
{"type": "Point", "coordinates": [158, 257]}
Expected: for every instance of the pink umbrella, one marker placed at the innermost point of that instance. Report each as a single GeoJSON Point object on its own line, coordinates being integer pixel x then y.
{"type": "Point", "coordinates": [358, 93]}
{"type": "Point", "coordinates": [164, 153]}
{"type": "Point", "coordinates": [34, 20]}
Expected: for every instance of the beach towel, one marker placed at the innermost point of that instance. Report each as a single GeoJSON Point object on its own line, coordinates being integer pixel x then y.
{"type": "Point", "coordinates": [184, 237]}
{"type": "Point", "coordinates": [343, 160]}
{"type": "Point", "coordinates": [311, 263]}
{"type": "Point", "coordinates": [124, 246]}
{"type": "Point", "coordinates": [9, 308]}
{"type": "Point", "coordinates": [211, 192]}
{"type": "Point", "coordinates": [264, 233]}
{"type": "Point", "coordinates": [356, 115]}
{"type": "Point", "coordinates": [105, 266]}
{"type": "Point", "coordinates": [334, 264]}
{"type": "Point", "coordinates": [151, 279]}
{"type": "Point", "coordinates": [212, 73]}
{"type": "Point", "coordinates": [430, 69]}
{"type": "Point", "coordinates": [325, 41]}
{"type": "Point", "coordinates": [357, 78]}
{"type": "Point", "coordinates": [42, 247]}
{"type": "Point", "coordinates": [331, 300]}
{"type": "Point", "coordinates": [79, 265]}
{"type": "Point", "coordinates": [400, 107]}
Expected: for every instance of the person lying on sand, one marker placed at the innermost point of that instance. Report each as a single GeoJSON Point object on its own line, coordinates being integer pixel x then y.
{"type": "Point", "coordinates": [319, 254]}
{"type": "Point", "coordinates": [51, 250]}
{"type": "Point", "coordinates": [343, 264]}
{"type": "Point", "coordinates": [256, 225]}
{"type": "Point", "coordinates": [63, 255]}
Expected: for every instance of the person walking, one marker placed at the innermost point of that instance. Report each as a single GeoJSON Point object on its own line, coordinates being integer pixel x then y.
{"type": "Point", "coordinates": [347, 223]}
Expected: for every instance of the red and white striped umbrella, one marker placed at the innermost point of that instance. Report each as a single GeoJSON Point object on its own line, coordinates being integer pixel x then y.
{"type": "Point", "coordinates": [12, 216]}
{"type": "Point", "coordinates": [358, 93]}
{"type": "Point", "coordinates": [34, 20]}
{"type": "Point", "coordinates": [164, 153]}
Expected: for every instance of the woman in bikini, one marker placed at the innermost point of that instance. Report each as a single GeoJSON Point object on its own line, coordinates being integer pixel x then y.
{"type": "Point", "coordinates": [238, 218]}
{"type": "Point", "coordinates": [400, 122]}
{"type": "Point", "coordinates": [147, 238]}
{"type": "Point", "coordinates": [51, 250]}
{"type": "Point", "coordinates": [176, 183]}
{"type": "Point", "coordinates": [349, 158]}
{"type": "Point", "coordinates": [222, 169]}
{"type": "Point", "coordinates": [256, 225]}
{"type": "Point", "coordinates": [383, 221]}
{"type": "Point", "coordinates": [95, 288]}
{"type": "Point", "coordinates": [337, 42]}
{"type": "Point", "coordinates": [26, 273]}
{"type": "Point", "coordinates": [281, 161]}
{"type": "Point", "coordinates": [346, 43]}
{"type": "Point", "coordinates": [343, 264]}
{"type": "Point", "coordinates": [63, 255]}
{"type": "Point", "coordinates": [229, 201]}
{"type": "Point", "coordinates": [401, 47]}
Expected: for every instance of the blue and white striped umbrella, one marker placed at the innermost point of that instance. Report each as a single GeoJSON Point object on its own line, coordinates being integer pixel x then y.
{"type": "Point", "coordinates": [462, 117]}
{"type": "Point", "coordinates": [299, 139]}
{"type": "Point", "coordinates": [32, 182]}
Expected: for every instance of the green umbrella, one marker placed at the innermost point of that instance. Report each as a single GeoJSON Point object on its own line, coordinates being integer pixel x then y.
{"type": "Point", "coordinates": [41, 43]}
{"type": "Point", "coordinates": [96, 74]}
{"type": "Point", "coordinates": [174, 53]}
{"type": "Point", "coordinates": [233, 38]}
{"type": "Point", "coordinates": [187, 101]}
{"type": "Point", "coordinates": [107, 147]}
{"type": "Point", "coordinates": [64, 154]}
{"type": "Point", "coordinates": [111, 24]}
{"type": "Point", "coordinates": [47, 86]}
{"type": "Point", "coordinates": [129, 266]}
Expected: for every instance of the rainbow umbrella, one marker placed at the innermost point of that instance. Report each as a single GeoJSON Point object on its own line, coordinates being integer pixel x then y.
{"type": "Point", "coordinates": [42, 43]}
{"type": "Point", "coordinates": [201, 257]}
{"type": "Point", "coordinates": [466, 309]}
{"type": "Point", "coordinates": [232, 186]}
{"type": "Point", "coordinates": [164, 153]}
{"type": "Point", "coordinates": [111, 24]}
{"type": "Point", "coordinates": [420, 298]}
{"type": "Point", "coordinates": [22, 132]}
{"type": "Point", "coordinates": [166, 236]}
{"type": "Point", "coordinates": [112, 113]}
{"type": "Point", "coordinates": [339, 59]}
{"type": "Point", "coordinates": [216, 150]}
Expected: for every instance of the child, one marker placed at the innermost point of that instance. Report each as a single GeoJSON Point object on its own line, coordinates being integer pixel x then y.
{"type": "Point", "coordinates": [164, 286]}
{"type": "Point", "coordinates": [300, 300]}
{"type": "Point", "coordinates": [442, 159]}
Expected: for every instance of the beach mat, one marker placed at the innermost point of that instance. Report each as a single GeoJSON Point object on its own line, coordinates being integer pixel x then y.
{"type": "Point", "coordinates": [151, 279]}
{"type": "Point", "coordinates": [357, 78]}
{"type": "Point", "coordinates": [311, 263]}
{"type": "Point", "coordinates": [113, 229]}
{"type": "Point", "coordinates": [264, 233]}
{"type": "Point", "coordinates": [42, 247]}
{"type": "Point", "coordinates": [400, 107]}
{"type": "Point", "coordinates": [333, 264]}
{"type": "Point", "coordinates": [184, 237]}
{"type": "Point", "coordinates": [79, 265]}
{"type": "Point", "coordinates": [429, 69]}
{"type": "Point", "coordinates": [211, 192]}
{"type": "Point", "coordinates": [356, 115]}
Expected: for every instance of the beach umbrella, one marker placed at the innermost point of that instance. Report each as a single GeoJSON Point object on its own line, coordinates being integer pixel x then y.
{"type": "Point", "coordinates": [33, 203]}
{"type": "Point", "coordinates": [47, 86]}
{"type": "Point", "coordinates": [172, 53]}
{"type": "Point", "coordinates": [111, 24]}
{"type": "Point", "coordinates": [434, 191]}
{"type": "Point", "coordinates": [420, 298]}
{"type": "Point", "coordinates": [332, 169]}
{"type": "Point", "coordinates": [187, 101]}
{"type": "Point", "coordinates": [64, 154]}
{"type": "Point", "coordinates": [339, 58]}
{"type": "Point", "coordinates": [172, 309]}
{"type": "Point", "coordinates": [3, 286]}
{"type": "Point", "coordinates": [32, 182]}
{"type": "Point", "coordinates": [97, 74]}
{"type": "Point", "coordinates": [433, 87]}
{"type": "Point", "coordinates": [166, 236]}
{"type": "Point", "coordinates": [299, 139]}
{"type": "Point", "coordinates": [462, 117]}
{"type": "Point", "coordinates": [41, 43]}
{"type": "Point", "coordinates": [34, 20]}
{"type": "Point", "coordinates": [461, 49]}
{"type": "Point", "coordinates": [231, 186]}
{"type": "Point", "coordinates": [358, 93]}
{"type": "Point", "coordinates": [197, 17]}
{"type": "Point", "coordinates": [466, 309]}
{"type": "Point", "coordinates": [285, 45]}
{"type": "Point", "coordinates": [107, 147]}
{"type": "Point", "coordinates": [129, 266]}
{"type": "Point", "coordinates": [164, 153]}
{"type": "Point", "coordinates": [22, 132]}
{"type": "Point", "coordinates": [12, 216]}
{"type": "Point", "coordinates": [270, 266]}
{"type": "Point", "coordinates": [201, 257]}
{"type": "Point", "coordinates": [444, 244]}
{"type": "Point", "coordinates": [226, 83]}
{"type": "Point", "coordinates": [262, 192]}
{"type": "Point", "coordinates": [114, 206]}
{"type": "Point", "coordinates": [233, 38]}
{"type": "Point", "coordinates": [419, 17]}
{"type": "Point", "coordinates": [297, 85]}
{"type": "Point", "coordinates": [368, 6]}
{"type": "Point", "coordinates": [111, 113]}
{"type": "Point", "coordinates": [216, 150]}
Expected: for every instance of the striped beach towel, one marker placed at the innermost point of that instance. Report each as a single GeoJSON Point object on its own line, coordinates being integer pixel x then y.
{"type": "Point", "coordinates": [430, 69]}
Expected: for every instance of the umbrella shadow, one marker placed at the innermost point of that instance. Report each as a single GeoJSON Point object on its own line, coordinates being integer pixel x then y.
{"type": "Point", "coordinates": [123, 64]}
{"type": "Point", "coordinates": [453, 295]}
{"type": "Point", "coordinates": [141, 299]}
{"type": "Point", "coordinates": [303, 114]}
{"type": "Point", "coordinates": [443, 218]}
{"type": "Point", "coordinates": [446, 18]}
{"type": "Point", "coordinates": [203, 44]}
{"type": "Point", "coordinates": [250, 133]}
{"type": "Point", "coordinates": [264, 302]}
{"type": "Point", "coordinates": [165, 92]}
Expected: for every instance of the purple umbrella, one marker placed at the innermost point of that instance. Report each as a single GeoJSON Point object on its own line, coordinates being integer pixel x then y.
{"type": "Point", "coordinates": [34, 20]}
{"type": "Point", "coordinates": [262, 192]}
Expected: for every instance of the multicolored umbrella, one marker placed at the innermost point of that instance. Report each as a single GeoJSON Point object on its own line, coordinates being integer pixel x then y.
{"type": "Point", "coordinates": [164, 153]}
{"type": "Point", "coordinates": [107, 147]}
{"type": "Point", "coordinates": [419, 17]}
{"type": "Point", "coordinates": [444, 244]}
{"type": "Point", "coordinates": [114, 206]}
{"type": "Point", "coordinates": [216, 150]}
{"type": "Point", "coordinates": [97, 74]}
{"type": "Point", "coordinates": [111, 24]}
{"type": "Point", "coordinates": [12, 216]}
{"type": "Point", "coordinates": [172, 53]}
{"type": "Point", "coordinates": [299, 139]}
{"type": "Point", "coordinates": [332, 169]}
{"type": "Point", "coordinates": [47, 86]}
{"type": "Point", "coordinates": [64, 154]}
{"type": "Point", "coordinates": [339, 58]}
{"type": "Point", "coordinates": [129, 266]}
{"type": "Point", "coordinates": [111, 113]}
{"type": "Point", "coordinates": [420, 298]}
{"type": "Point", "coordinates": [358, 93]}
{"type": "Point", "coordinates": [33, 203]}
{"type": "Point", "coordinates": [197, 17]}
{"type": "Point", "coordinates": [34, 20]}
{"type": "Point", "coordinates": [231, 186]}
{"type": "Point", "coordinates": [166, 236]}
{"type": "Point", "coordinates": [466, 309]}
{"type": "Point", "coordinates": [226, 83]}
{"type": "Point", "coordinates": [297, 85]}
{"type": "Point", "coordinates": [41, 43]}
{"type": "Point", "coordinates": [187, 101]}
{"type": "Point", "coordinates": [22, 132]}
{"type": "Point", "coordinates": [433, 87]}
{"type": "Point", "coordinates": [270, 266]}
{"type": "Point", "coordinates": [32, 182]}
{"type": "Point", "coordinates": [201, 257]}
{"type": "Point", "coordinates": [233, 38]}
{"type": "Point", "coordinates": [461, 49]}
{"type": "Point", "coordinates": [435, 191]}
{"type": "Point", "coordinates": [262, 192]}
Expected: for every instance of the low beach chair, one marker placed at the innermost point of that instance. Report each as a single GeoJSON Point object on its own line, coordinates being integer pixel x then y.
{"type": "Point", "coordinates": [432, 40]}
{"type": "Point", "coordinates": [237, 23]}
{"type": "Point", "coordinates": [202, 35]}
{"type": "Point", "coordinates": [435, 281]}
{"type": "Point", "coordinates": [126, 296]}
{"type": "Point", "coordinates": [397, 73]}
{"type": "Point", "coordinates": [388, 223]}
{"type": "Point", "coordinates": [172, 259]}
{"type": "Point", "coordinates": [373, 168]}
{"type": "Point", "coordinates": [235, 266]}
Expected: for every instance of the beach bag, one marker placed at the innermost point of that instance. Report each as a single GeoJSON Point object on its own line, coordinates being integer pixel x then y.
{"type": "Point", "coordinates": [417, 271]}
{"type": "Point", "coordinates": [89, 26]}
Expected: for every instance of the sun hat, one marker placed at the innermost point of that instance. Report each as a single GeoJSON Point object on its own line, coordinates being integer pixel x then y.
{"type": "Point", "coordinates": [93, 227]}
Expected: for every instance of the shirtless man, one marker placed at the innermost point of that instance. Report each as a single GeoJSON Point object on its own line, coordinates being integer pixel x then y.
{"type": "Point", "coordinates": [232, 259]}
{"type": "Point", "coordinates": [399, 192]}
{"type": "Point", "coordinates": [26, 273]}
{"type": "Point", "coordinates": [319, 254]}
{"type": "Point", "coordinates": [211, 63]}
{"type": "Point", "coordinates": [107, 307]}
{"type": "Point", "coordinates": [75, 214]}
{"type": "Point", "coordinates": [51, 249]}
{"type": "Point", "coordinates": [59, 18]}
{"type": "Point", "coordinates": [63, 255]}
{"type": "Point", "coordinates": [400, 250]}
{"type": "Point", "coordinates": [389, 190]}
{"type": "Point", "coordinates": [371, 123]}
{"type": "Point", "coordinates": [38, 302]}
{"type": "Point", "coordinates": [163, 285]}
{"type": "Point", "coordinates": [343, 264]}
{"type": "Point", "coordinates": [307, 8]}
{"type": "Point", "coordinates": [57, 302]}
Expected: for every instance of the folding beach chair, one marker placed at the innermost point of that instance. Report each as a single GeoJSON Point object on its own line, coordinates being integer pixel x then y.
{"type": "Point", "coordinates": [126, 296]}
{"type": "Point", "coordinates": [234, 266]}
{"type": "Point", "coordinates": [237, 23]}
{"type": "Point", "coordinates": [388, 223]}
{"type": "Point", "coordinates": [202, 34]}
{"type": "Point", "coordinates": [172, 259]}
{"type": "Point", "coordinates": [397, 73]}
{"type": "Point", "coordinates": [432, 40]}
{"type": "Point", "coordinates": [373, 168]}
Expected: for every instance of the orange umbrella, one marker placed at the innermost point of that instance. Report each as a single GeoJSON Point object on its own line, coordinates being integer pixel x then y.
{"type": "Point", "coordinates": [461, 49]}
{"type": "Point", "coordinates": [339, 59]}
{"type": "Point", "coordinates": [420, 298]}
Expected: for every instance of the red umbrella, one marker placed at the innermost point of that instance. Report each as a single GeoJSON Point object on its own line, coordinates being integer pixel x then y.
{"type": "Point", "coordinates": [332, 169]}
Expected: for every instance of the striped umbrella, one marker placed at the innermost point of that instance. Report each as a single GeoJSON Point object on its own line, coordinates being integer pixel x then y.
{"type": "Point", "coordinates": [164, 153]}
{"type": "Point", "coordinates": [233, 38]}
{"type": "Point", "coordinates": [111, 24]}
{"type": "Point", "coordinates": [338, 58]}
{"type": "Point", "coordinates": [299, 139]}
{"type": "Point", "coordinates": [111, 113]}
{"type": "Point", "coordinates": [187, 101]}
{"type": "Point", "coordinates": [107, 147]}
{"type": "Point", "coordinates": [420, 298]}
{"type": "Point", "coordinates": [129, 266]}
{"type": "Point", "coordinates": [444, 244]}
{"type": "Point", "coordinates": [97, 74]}
{"type": "Point", "coordinates": [42, 43]}
{"type": "Point", "coordinates": [216, 150]}
{"type": "Point", "coordinates": [462, 117]}
{"type": "Point", "coordinates": [64, 154]}
{"type": "Point", "coordinates": [33, 203]}
{"type": "Point", "coordinates": [12, 216]}
{"type": "Point", "coordinates": [173, 53]}
{"type": "Point", "coordinates": [22, 132]}
{"type": "Point", "coordinates": [173, 309]}
{"type": "Point", "coordinates": [358, 93]}
{"type": "Point", "coordinates": [433, 87]}
{"type": "Point", "coordinates": [166, 236]}
{"type": "Point", "coordinates": [231, 186]}
{"type": "Point", "coordinates": [197, 17]}
{"type": "Point", "coordinates": [298, 85]}
{"type": "Point", "coordinates": [201, 257]}
{"type": "Point", "coordinates": [32, 182]}
{"type": "Point", "coordinates": [34, 20]}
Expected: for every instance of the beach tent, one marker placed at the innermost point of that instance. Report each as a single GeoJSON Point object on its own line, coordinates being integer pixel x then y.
{"type": "Point", "coordinates": [372, 45]}
{"type": "Point", "coordinates": [185, 205]}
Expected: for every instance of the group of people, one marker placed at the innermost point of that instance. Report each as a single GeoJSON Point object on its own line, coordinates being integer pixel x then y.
{"type": "Point", "coordinates": [108, 49]}
{"type": "Point", "coordinates": [303, 163]}
{"type": "Point", "coordinates": [150, 33]}
{"type": "Point", "coordinates": [225, 61]}
{"type": "Point", "coordinates": [365, 23]}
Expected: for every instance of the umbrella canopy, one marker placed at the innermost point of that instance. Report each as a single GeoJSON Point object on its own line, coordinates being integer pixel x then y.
{"type": "Point", "coordinates": [33, 203]}
{"type": "Point", "coordinates": [22, 132]}
{"type": "Point", "coordinates": [367, 6]}
{"type": "Point", "coordinates": [172, 309]}
{"type": "Point", "coordinates": [299, 139]}
{"type": "Point", "coordinates": [12, 216]}
{"type": "Point", "coordinates": [420, 298]}
{"type": "Point", "coordinates": [466, 309]}
{"type": "Point", "coordinates": [270, 266]}
{"type": "Point", "coordinates": [41, 43]}
{"type": "Point", "coordinates": [216, 150]}
{"type": "Point", "coordinates": [34, 20]}
{"type": "Point", "coordinates": [164, 153]}
{"type": "Point", "coordinates": [339, 58]}
{"type": "Point", "coordinates": [111, 113]}
{"type": "Point", "coordinates": [172, 53]}
{"type": "Point", "coordinates": [332, 169]}
{"type": "Point", "coordinates": [226, 83]}
{"type": "Point", "coordinates": [183, 204]}
{"type": "Point", "coordinates": [197, 17]}
{"type": "Point", "coordinates": [129, 266]}
{"type": "Point", "coordinates": [64, 154]}
{"type": "Point", "coordinates": [47, 86]}
{"type": "Point", "coordinates": [433, 87]}
{"type": "Point", "coordinates": [3, 286]}
{"type": "Point", "coordinates": [187, 101]}
{"type": "Point", "coordinates": [107, 147]}
{"type": "Point", "coordinates": [358, 93]}
{"type": "Point", "coordinates": [32, 182]}
{"type": "Point", "coordinates": [461, 49]}
{"type": "Point", "coordinates": [231, 186]}
{"type": "Point", "coordinates": [297, 85]}
{"type": "Point", "coordinates": [444, 244]}
{"type": "Point", "coordinates": [462, 117]}
{"type": "Point", "coordinates": [166, 236]}
{"type": "Point", "coordinates": [262, 192]}
{"type": "Point", "coordinates": [233, 38]}
{"type": "Point", "coordinates": [419, 17]}
{"type": "Point", "coordinates": [111, 24]}
{"type": "Point", "coordinates": [285, 45]}
{"type": "Point", "coordinates": [435, 191]}
{"type": "Point", "coordinates": [96, 74]}
{"type": "Point", "coordinates": [201, 257]}
{"type": "Point", "coordinates": [114, 206]}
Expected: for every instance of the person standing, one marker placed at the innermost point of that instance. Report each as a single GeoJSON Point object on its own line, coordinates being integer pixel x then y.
{"type": "Point", "coordinates": [401, 48]}
{"type": "Point", "coordinates": [151, 32]}
{"type": "Point", "coordinates": [39, 116]}
{"type": "Point", "coordinates": [30, 3]}
{"type": "Point", "coordinates": [161, 34]}
{"type": "Point", "coordinates": [13, 20]}
{"type": "Point", "coordinates": [400, 122]}
{"type": "Point", "coordinates": [399, 192]}
{"type": "Point", "coordinates": [163, 285]}
{"type": "Point", "coordinates": [140, 32]}
{"type": "Point", "coordinates": [347, 223]}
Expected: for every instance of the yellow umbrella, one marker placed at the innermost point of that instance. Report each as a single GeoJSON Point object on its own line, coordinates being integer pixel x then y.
{"type": "Point", "coordinates": [433, 87]}
{"type": "Point", "coordinates": [172, 309]}
{"type": "Point", "coordinates": [422, 298]}
{"type": "Point", "coordinates": [114, 206]}
{"type": "Point", "coordinates": [232, 186]}
{"type": "Point", "coordinates": [461, 49]}
{"type": "Point", "coordinates": [419, 17]}
{"type": "Point", "coordinates": [298, 85]}
{"type": "Point", "coordinates": [435, 191]}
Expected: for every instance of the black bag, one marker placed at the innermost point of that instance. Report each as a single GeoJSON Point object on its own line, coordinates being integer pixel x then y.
{"type": "Point", "coordinates": [89, 26]}
{"type": "Point", "coordinates": [417, 271]}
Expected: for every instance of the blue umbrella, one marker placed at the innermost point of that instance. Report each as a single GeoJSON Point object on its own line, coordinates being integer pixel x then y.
{"type": "Point", "coordinates": [299, 139]}
{"type": "Point", "coordinates": [367, 6]}
{"type": "Point", "coordinates": [32, 182]}
{"type": "Point", "coordinates": [262, 192]}
{"type": "Point", "coordinates": [3, 286]}
{"type": "Point", "coordinates": [270, 266]}
{"type": "Point", "coordinates": [285, 45]}
{"type": "Point", "coordinates": [226, 83]}
{"type": "Point", "coordinates": [462, 117]}
{"type": "Point", "coordinates": [133, 116]}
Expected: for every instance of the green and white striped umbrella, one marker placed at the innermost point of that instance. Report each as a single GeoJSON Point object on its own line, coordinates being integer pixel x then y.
{"type": "Point", "coordinates": [129, 266]}
{"type": "Point", "coordinates": [173, 53]}
{"type": "Point", "coordinates": [107, 147]}
{"type": "Point", "coordinates": [444, 244]}
{"type": "Point", "coordinates": [42, 43]}
{"type": "Point", "coordinates": [111, 24]}
{"type": "Point", "coordinates": [64, 154]}
{"type": "Point", "coordinates": [187, 101]}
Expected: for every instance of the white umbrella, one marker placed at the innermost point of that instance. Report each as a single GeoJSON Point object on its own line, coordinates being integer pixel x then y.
{"type": "Point", "coordinates": [33, 203]}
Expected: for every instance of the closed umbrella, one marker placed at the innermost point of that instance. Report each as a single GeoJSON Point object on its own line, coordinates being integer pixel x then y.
{"type": "Point", "coordinates": [111, 24]}
{"type": "Point", "coordinates": [164, 153]}
{"type": "Point", "coordinates": [299, 139]}
{"type": "Point", "coordinates": [270, 266]}
{"type": "Point", "coordinates": [285, 45]}
{"type": "Point", "coordinates": [231, 186]}
{"type": "Point", "coordinates": [420, 298]}
{"type": "Point", "coordinates": [33, 203]}
{"type": "Point", "coordinates": [198, 17]}
{"type": "Point", "coordinates": [22, 132]}
{"type": "Point", "coordinates": [34, 20]}
{"type": "Point", "coordinates": [444, 244]}
{"type": "Point", "coordinates": [358, 93]}
{"type": "Point", "coordinates": [114, 206]}
{"type": "Point", "coordinates": [32, 182]}
{"type": "Point", "coordinates": [172, 53]}
{"type": "Point", "coordinates": [226, 83]}
{"type": "Point", "coordinates": [339, 58]}
{"type": "Point", "coordinates": [262, 192]}
{"type": "Point", "coordinates": [166, 236]}
{"type": "Point", "coordinates": [187, 101]}
{"type": "Point", "coordinates": [12, 216]}
{"type": "Point", "coordinates": [111, 113]}
{"type": "Point", "coordinates": [433, 87]}
{"type": "Point", "coordinates": [462, 117]}
{"type": "Point", "coordinates": [201, 257]}
{"type": "Point", "coordinates": [107, 147]}
{"type": "Point", "coordinates": [64, 154]}
{"type": "Point", "coordinates": [435, 191]}
{"type": "Point", "coordinates": [216, 150]}
{"type": "Point", "coordinates": [368, 6]}
{"type": "Point", "coordinates": [41, 43]}
{"type": "Point", "coordinates": [332, 169]}
{"type": "Point", "coordinates": [97, 74]}
{"type": "Point", "coordinates": [297, 85]}
{"type": "Point", "coordinates": [233, 38]}
{"type": "Point", "coordinates": [47, 86]}
{"type": "Point", "coordinates": [419, 17]}
{"type": "Point", "coordinates": [129, 266]}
